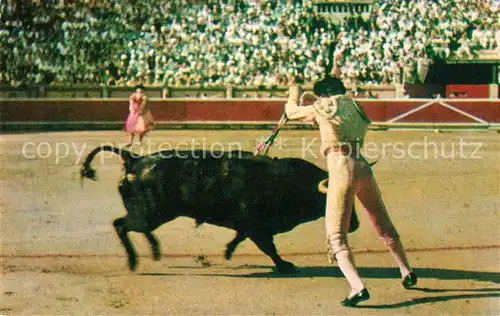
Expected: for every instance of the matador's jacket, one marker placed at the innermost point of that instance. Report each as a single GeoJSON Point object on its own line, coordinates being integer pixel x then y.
{"type": "Point", "coordinates": [341, 120]}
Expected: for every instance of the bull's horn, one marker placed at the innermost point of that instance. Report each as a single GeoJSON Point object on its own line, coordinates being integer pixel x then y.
{"type": "Point", "coordinates": [373, 163]}
{"type": "Point", "coordinates": [322, 186]}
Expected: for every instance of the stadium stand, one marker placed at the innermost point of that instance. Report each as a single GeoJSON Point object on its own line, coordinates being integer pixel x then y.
{"type": "Point", "coordinates": [253, 43]}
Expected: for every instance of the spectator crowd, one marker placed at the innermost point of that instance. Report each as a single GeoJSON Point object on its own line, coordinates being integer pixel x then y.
{"type": "Point", "coordinates": [239, 42]}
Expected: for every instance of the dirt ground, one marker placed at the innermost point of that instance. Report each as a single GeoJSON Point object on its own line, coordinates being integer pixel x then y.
{"type": "Point", "coordinates": [60, 254]}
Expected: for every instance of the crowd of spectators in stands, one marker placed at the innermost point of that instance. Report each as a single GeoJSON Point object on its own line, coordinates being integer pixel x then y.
{"type": "Point", "coordinates": [240, 42]}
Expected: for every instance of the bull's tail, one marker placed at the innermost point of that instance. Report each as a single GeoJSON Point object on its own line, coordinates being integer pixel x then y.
{"type": "Point", "coordinates": [87, 172]}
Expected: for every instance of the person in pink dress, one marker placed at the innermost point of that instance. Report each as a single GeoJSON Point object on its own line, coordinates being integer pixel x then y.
{"type": "Point", "coordinates": [140, 119]}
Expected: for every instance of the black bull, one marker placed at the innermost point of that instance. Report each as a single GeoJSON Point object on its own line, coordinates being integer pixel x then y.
{"type": "Point", "coordinates": [256, 196]}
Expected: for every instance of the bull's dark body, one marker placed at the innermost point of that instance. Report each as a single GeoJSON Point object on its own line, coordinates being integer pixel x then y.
{"type": "Point", "coordinates": [258, 197]}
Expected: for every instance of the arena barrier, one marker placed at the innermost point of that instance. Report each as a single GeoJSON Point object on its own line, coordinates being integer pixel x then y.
{"type": "Point", "coordinates": [434, 113]}
{"type": "Point", "coordinates": [81, 114]}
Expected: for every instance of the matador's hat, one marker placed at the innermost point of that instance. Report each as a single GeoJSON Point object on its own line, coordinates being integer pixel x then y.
{"type": "Point", "coordinates": [329, 86]}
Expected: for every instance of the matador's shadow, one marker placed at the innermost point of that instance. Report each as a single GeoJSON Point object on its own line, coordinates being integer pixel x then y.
{"type": "Point", "coordinates": [491, 293]}
{"type": "Point", "coordinates": [390, 273]}
{"type": "Point", "coordinates": [393, 273]}
{"type": "Point", "coordinates": [383, 273]}
{"type": "Point", "coordinates": [365, 272]}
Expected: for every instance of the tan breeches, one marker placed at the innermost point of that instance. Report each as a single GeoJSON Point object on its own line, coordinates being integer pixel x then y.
{"type": "Point", "coordinates": [350, 176]}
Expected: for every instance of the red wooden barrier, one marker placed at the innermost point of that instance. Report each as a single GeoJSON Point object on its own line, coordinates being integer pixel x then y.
{"type": "Point", "coordinates": [249, 110]}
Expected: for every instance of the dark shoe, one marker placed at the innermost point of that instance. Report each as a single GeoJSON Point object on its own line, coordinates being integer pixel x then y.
{"type": "Point", "coordinates": [410, 280]}
{"type": "Point", "coordinates": [359, 297]}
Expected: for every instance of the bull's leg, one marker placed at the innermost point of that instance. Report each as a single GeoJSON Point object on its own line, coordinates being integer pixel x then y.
{"type": "Point", "coordinates": [231, 247]}
{"type": "Point", "coordinates": [265, 243]}
{"type": "Point", "coordinates": [122, 230]}
{"type": "Point", "coordinates": [155, 245]}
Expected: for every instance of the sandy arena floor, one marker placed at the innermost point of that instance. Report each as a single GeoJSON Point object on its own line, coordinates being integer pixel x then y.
{"type": "Point", "coordinates": [60, 254]}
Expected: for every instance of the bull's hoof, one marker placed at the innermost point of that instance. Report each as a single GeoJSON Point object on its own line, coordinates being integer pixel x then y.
{"type": "Point", "coordinates": [229, 253]}
{"type": "Point", "coordinates": [132, 264]}
{"type": "Point", "coordinates": [354, 225]}
{"type": "Point", "coordinates": [156, 254]}
{"type": "Point", "coordinates": [287, 268]}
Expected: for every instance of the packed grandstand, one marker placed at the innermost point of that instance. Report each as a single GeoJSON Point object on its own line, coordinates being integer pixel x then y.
{"type": "Point", "coordinates": [239, 42]}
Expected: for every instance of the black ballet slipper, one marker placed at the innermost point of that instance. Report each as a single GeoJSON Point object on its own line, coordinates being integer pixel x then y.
{"type": "Point", "coordinates": [359, 297]}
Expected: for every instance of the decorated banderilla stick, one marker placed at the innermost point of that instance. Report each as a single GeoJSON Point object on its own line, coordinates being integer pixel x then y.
{"type": "Point", "coordinates": [270, 140]}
